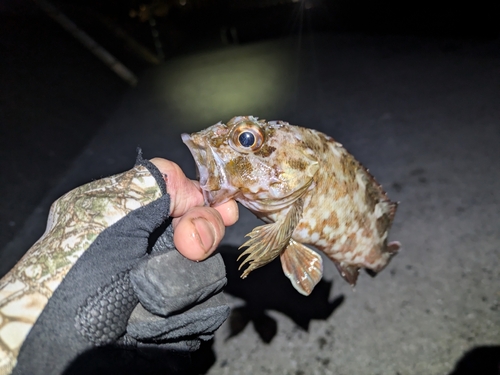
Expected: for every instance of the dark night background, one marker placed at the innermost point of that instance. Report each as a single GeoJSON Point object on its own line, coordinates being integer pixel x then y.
{"type": "Point", "coordinates": [56, 97]}
{"type": "Point", "coordinates": [55, 94]}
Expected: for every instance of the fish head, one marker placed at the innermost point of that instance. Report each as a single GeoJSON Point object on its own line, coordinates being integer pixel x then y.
{"type": "Point", "coordinates": [263, 165]}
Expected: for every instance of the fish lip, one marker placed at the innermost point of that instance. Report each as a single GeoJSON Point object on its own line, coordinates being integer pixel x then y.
{"type": "Point", "coordinates": [196, 152]}
{"type": "Point", "coordinates": [214, 182]}
{"type": "Point", "coordinates": [199, 159]}
{"type": "Point", "coordinates": [200, 153]}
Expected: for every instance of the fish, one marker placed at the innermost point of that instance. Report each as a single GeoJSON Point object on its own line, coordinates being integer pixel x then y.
{"type": "Point", "coordinates": [307, 189]}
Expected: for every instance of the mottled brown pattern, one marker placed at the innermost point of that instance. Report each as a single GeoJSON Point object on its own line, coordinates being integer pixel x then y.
{"type": "Point", "coordinates": [216, 141]}
{"type": "Point", "coordinates": [299, 165]}
{"type": "Point", "coordinates": [350, 242]}
{"type": "Point", "coordinates": [304, 227]}
{"type": "Point", "coordinates": [383, 223]}
{"type": "Point", "coordinates": [340, 190]}
{"type": "Point", "coordinates": [270, 132]}
{"type": "Point", "coordinates": [75, 220]}
{"type": "Point", "coordinates": [241, 168]}
{"type": "Point", "coordinates": [346, 214]}
{"type": "Point", "coordinates": [331, 221]}
{"type": "Point", "coordinates": [372, 255]}
{"type": "Point", "coordinates": [265, 151]}
{"type": "Point", "coordinates": [349, 166]}
{"type": "Point", "coordinates": [372, 196]}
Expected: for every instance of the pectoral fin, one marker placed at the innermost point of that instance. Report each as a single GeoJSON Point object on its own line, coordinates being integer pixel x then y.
{"type": "Point", "coordinates": [303, 266]}
{"type": "Point", "coordinates": [268, 241]}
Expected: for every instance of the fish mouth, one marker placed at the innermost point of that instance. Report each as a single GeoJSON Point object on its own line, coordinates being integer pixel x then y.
{"type": "Point", "coordinates": [207, 169]}
{"type": "Point", "coordinates": [199, 155]}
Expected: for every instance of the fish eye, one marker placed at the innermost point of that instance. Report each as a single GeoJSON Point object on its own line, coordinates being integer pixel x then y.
{"type": "Point", "coordinates": [247, 137]}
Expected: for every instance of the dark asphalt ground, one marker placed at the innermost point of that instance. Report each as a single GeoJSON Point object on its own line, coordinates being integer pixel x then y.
{"type": "Point", "coordinates": [421, 113]}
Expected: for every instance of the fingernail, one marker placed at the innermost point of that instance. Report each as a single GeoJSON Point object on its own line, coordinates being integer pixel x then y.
{"type": "Point", "coordinates": [206, 233]}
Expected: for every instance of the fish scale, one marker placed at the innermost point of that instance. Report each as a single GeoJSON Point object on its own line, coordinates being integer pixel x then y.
{"type": "Point", "coordinates": [306, 187]}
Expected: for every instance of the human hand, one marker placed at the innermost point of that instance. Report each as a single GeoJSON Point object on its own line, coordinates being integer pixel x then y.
{"type": "Point", "coordinates": [197, 229]}
{"type": "Point", "coordinates": [102, 254]}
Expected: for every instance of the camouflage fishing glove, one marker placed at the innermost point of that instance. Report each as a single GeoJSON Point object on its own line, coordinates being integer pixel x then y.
{"type": "Point", "coordinates": [106, 274]}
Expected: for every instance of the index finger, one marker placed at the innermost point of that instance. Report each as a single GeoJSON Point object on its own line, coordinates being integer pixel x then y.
{"type": "Point", "coordinates": [229, 212]}
{"type": "Point", "coordinates": [185, 193]}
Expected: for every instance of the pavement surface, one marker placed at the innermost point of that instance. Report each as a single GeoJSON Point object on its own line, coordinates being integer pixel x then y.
{"type": "Point", "coordinates": [423, 115]}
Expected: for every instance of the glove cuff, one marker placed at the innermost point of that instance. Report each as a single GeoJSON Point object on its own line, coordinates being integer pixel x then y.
{"type": "Point", "coordinates": [155, 172]}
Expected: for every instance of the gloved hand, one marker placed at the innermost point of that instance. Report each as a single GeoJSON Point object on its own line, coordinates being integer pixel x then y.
{"type": "Point", "coordinates": [106, 272]}
{"type": "Point", "coordinates": [180, 307]}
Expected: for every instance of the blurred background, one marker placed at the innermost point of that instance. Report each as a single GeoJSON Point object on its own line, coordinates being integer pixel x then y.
{"type": "Point", "coordinates": [412, 89]}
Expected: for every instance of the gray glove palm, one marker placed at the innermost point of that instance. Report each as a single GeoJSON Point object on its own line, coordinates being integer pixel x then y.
{"type": "Point", "coordinates": [180, 303]}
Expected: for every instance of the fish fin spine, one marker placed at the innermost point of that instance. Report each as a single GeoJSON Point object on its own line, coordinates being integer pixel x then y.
{"type": "Point", "coordinates": [268, 241]}
{"type": "Point", "coordinates": [348, 272]}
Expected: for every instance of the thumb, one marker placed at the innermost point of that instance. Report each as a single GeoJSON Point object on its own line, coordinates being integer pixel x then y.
{"type": "Point", "coordinates": [184, 193]}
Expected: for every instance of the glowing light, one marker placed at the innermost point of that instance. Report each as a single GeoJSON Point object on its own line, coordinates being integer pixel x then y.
{"type": "Point", "coordinates": [220, 85]}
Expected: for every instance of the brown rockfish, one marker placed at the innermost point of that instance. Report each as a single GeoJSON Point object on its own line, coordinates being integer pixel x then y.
{"type": "Point", "coordinates": [307, 189]}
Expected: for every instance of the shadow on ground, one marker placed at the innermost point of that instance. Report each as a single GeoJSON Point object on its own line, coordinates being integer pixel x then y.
{"type": "Point", "coordinates": [268, 289]}
{"type": "Point", "coordinates": [114, 360]}
{"type": "Point", "coordinates": [484, 360]}
{"type": "Point", "coordinates": [265, 289]}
